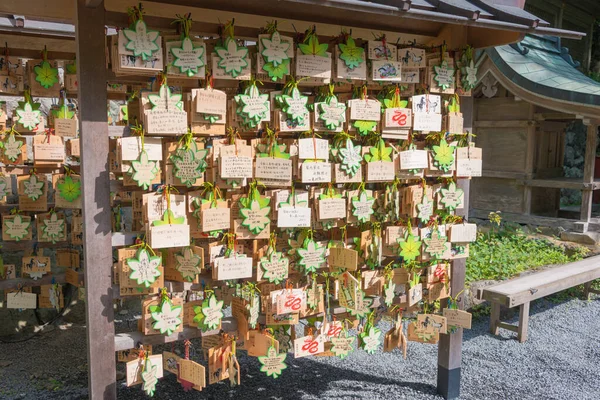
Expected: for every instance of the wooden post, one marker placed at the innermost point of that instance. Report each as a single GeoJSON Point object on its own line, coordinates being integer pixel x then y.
{"type": "Point", "coordinates": [450, 346]}
{"type": "Point", "coordinates": [529, 161]}
{"type": "Point", "coordinates": [523, 322]}
{"type": "Point", "coordinates": [97, 248]}
{"type": "Point", "coordinates": [494, 318]}
{"type": "Point", "coordinates": [588, 170]}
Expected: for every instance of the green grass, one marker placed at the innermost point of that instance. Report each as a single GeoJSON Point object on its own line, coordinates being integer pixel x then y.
{"type": "Point", "coordinates": [504, 253]}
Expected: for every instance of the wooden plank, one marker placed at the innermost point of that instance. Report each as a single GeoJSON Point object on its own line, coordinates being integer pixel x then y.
{"type": "Point", "coordinates": [29, 244]}
{"type": "Point", "coordinates": [507, 326]}
{"type": "Point", "coordinates": [556, 276]}
{"type": "Point", "coordinates": [568, 224]}
{"type": "Point", "coordinates": [56, 11]}
{"type": "Point", "coordinates": [504, 124]}
{"type": "Point", "coordinates": [503, 149]}
{"type": "Point", "coordinates": [450, 346]}
{"type": "Point", "coordinates": [97, 250]}
{"type": "Point", "coordinates": [497, 194]}
{"type": "Point", "coordinates": [561, 183]}
{"type": "Point", "coordinates": [588, 170]}
{"type": "Point", "coordinates": [523, 322]}
{"type": "Point", "coordinates": [488, 173]}
{"type": "Point", "coordinates": [249, 21]}
{"type": "Point", "coordinates": [548, 173]}
{"type": "Point", "coordinates": [544, 283]}
{"type": "Point", "coordinates": [500, 108]}
{"type": "Point", "coordinates": [529, 162]}
{"type": "Point", "coordinates": [494, 318]}
{"type": "Point", "coordinates": [553, 116]}
{"type": "Point", "coordinates": [25, 282]}
{"type": "Point", "coordinates": [130, 340]}
{"type": "Point", "coordinates": [118, 131]}
{"type": "Point", "coordinates": [120, 239]}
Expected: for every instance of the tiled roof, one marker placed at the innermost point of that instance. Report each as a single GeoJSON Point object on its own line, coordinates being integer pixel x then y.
{"type": "Point", "coordinates": [541, 65]}
{"type": "Point", "coordinates": [491, 13]}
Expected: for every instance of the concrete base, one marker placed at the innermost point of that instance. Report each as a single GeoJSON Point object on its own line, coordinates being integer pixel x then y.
{"type": "Point", "coordinates": [448, 382]}
{"type": "Point", "coordinates": [591, 238]}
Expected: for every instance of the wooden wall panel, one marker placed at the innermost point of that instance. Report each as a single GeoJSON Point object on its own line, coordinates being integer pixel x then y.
{"type": "Point", "coordinates": [504, 149]}
{"type": "Point", "coordinates": [501, 109]}
{"type": "Point", "coordinates": [545, 201]}
{"type": "Point", "coordinates": [496, 194]}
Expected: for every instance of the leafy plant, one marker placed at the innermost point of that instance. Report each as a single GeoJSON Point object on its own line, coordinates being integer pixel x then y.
{"type": "Point", "coordinates": [503, 253]}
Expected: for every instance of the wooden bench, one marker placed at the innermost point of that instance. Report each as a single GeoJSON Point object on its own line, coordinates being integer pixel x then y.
{"type": "Point", "coordinates": [521, 291]}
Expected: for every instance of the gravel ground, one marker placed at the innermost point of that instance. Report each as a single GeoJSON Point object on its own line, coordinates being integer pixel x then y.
{"type": "Point", "coordinates": [559, 361]}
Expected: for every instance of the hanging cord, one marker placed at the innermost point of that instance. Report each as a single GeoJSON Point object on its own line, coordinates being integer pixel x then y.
{"type": "Point", "coordinates": [184, 24]}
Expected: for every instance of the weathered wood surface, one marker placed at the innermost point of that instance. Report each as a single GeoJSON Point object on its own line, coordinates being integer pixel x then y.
{"type": "Point", "coordinates": [568, 224]}
{"type": "Point", "coordinates": [26, 282]}
{"type": "Point", "coordinates": [450, 346]}
{"type": "Point", "coordinates": [561, 183]}
{"type": "Point", "coordinates": [588, 170]}
{"type": "Point", "coordinates": [130, 340]}
{"type": "Point", "coordinates": [503, 149]}
{"type": "Point", "coordinates": [496, 194]}
{"type": "Point", "coordinates": [97, 251]}
{"type": "Point", "coordinates": [488, 173]}
{"type": "Point", "coordinates": [524, 289]}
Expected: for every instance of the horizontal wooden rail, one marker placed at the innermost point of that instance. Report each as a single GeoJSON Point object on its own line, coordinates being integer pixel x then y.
{"type": "Point", "coordinates": [130, 340]}
{"type": "Point", "coordinates": [47, 279]}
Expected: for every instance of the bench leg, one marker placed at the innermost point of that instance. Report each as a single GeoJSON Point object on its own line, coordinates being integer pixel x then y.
{"type": "Point", "coordinates": [523, 322]}
{"type": "Point", "coordinates": [494, 318]}
{"type": "Point", "coordinates": [586, 290]}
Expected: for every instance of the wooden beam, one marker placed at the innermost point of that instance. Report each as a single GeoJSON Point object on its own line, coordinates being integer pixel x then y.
{"type": "Point", "coordinates": [97, 248]}
{"type": "Point", "coordinates": [547, 116]}
{"type": "Point", "coordinates": [55, 10]}
{"type": "Point", "coordinates": [159, 15]}
{"type": "Point", "coordinates": [527, 219]}
{"type": "Point", "coordinates": [561, 183]}
{"type": "Point", "coordinates": [32, 46]}
{"type": "Point", "coordinates": [529, 159]}
{"type": "Point", "coordinates": [487, 173]}
{"type": "Point", "coordinates": [130, 340]}
{"type": "Point", "coordinates": [588, 170]}
{"type": "Point", "coordinates": [507, 326]}
{"type": "Point", "coordinates": [47, 279]}
{"type": "Point", "coordinates": [589, 44]}
{"type": "Point", "coordinates": [450, 346]}
{"type": "Point", "coordinates": [504, 124]}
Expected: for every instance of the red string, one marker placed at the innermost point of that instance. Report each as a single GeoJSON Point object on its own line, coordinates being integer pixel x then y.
{"type": "Point", "coordinates": [187, 344]}
{"type": "Point", "coordinates": [48, 132]}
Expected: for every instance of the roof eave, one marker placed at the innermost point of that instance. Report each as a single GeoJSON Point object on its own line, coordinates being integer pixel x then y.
{"type": "Point", "coordinates": [587, 105]}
